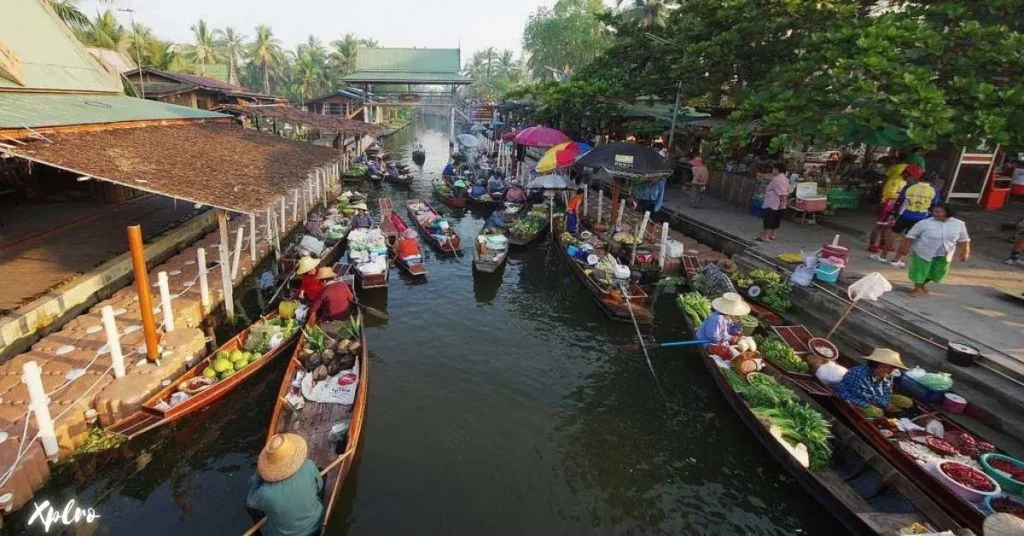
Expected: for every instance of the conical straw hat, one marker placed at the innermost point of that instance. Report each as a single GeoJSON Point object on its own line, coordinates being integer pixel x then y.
{"type": "Point", "coordinates": [731, 304]}
{"type": "Point", "coordinates": [282, 457]}
{"type": "Point", "coordinates": [886, 357]}
{"type": "Point", "coordinates": [306, 265]}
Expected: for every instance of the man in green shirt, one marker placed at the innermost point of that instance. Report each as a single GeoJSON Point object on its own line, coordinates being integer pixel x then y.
{"type": "Point", "coordinates": [287, 488]}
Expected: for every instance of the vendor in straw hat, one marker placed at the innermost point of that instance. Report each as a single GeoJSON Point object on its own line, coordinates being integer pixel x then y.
{"type": "Point", "coordinates": [716, 278]}
{"type": "Point", "coordinates": [871, 384]}
{"type": "Point", "coordinates": [362, 219]}
{"type": "Point", "coordinates": [408, 246]}
{"type": "Point", "coordinates": [724, 325]}
{"type": "Point", "coordinates": [309, 285]}
{"type": "Point", "coordinates": [286, 488]}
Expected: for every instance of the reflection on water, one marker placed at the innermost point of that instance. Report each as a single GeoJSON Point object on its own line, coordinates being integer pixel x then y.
{"type": "Point", "coordinates": [502, 404]}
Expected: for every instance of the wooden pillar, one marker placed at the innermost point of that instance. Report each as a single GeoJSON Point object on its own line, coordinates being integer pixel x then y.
{"type": "Point", "coordinates": [615, 203]}
{"type": "Point", "coordinates": [253, 253]}
{"type": "Point", "coordinates": [138, 253]}
{"type": "Point", "coordinates": [600, 204]}
{"type": "Point", "coordinates": [225, 262]}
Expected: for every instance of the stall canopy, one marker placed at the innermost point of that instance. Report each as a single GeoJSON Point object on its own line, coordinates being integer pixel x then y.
{"type": "Point", "coordinates": [215, 164]}
{"type": "Point", "coordinates": [292, 115]}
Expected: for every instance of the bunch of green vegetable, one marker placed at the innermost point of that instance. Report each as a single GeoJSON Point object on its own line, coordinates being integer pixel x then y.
{"type": "Point", "coordinates": [763, 391]}
{"type": "Point", "coordinates": [775, 297]}
{"type": "Point", "coordinates": [357, 169]}
{"type": "Point", "coordinates": [695, 305]}
{"type": "Point", "coordinates": [765, 277]}
{"type": "Point", "coordinates": [288, 326]}
{"type": "Point", "coordinates": [525, 227]}
{"type": "Point", "coordinates": [742, 279]}
{"type": "Point", "coordinates": [776, 350]}
{"type": "Point", "coordinates": [316, 339]}
{"type": "Point", "coordinates": [800, 423]}
{"type": "Point", "coordinates": [669, 280]}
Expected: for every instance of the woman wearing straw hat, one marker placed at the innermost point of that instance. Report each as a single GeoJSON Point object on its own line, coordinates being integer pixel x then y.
{"type": "Point", "coordinates": [361, 220]}
{"type": "Point", "coordinates": [310, 285]}
{"type": "Point", "coordinates": [286, 488]}
{"type": "Point", "coordinates": [408, 247]}
{"type": "Point", "coordinates": [724, 326]}
{"type": "Point", "coordinates": [871, 384]}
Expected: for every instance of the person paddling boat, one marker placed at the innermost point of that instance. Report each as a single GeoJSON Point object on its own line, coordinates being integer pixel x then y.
{"type": "Point", "coordinates": [724, 325]}
{"type": "Point", "coordinates": [286, 487]}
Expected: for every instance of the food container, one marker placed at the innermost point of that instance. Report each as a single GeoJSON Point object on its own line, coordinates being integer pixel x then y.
{"type": "Point", "coordinates": [919, 391]}
{"type": "Point", "coordinates": [1008, 484]}
{"type": "Point", "coordinates": [827, 272]}
{"type": "Point", "coordinates": [823, 348]}
{"type": "Point", "coordinates": [954, 403]}
{"type": "Point", "coordinates": [749, 325]}
{"type": "Point", "coordinates": [961, 355]}
{"type": "Point", "coordinates": [989, 509]}
{"type": "Point", "coordinates": [968, 494]}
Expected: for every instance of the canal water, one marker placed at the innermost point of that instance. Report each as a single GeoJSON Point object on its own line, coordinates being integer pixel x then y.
{"type": "Point", "coordinates": [501, 404]}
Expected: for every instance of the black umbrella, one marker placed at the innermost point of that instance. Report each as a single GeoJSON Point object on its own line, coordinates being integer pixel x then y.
{"type": "Point", "coordinates": [627, 161]}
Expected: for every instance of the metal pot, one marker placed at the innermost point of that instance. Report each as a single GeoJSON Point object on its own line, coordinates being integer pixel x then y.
{"type": "Point", "coordinates": [960, 354]}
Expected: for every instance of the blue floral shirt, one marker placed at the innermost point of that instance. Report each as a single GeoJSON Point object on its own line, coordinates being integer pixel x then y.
{"type": "Point", "coordinates": [861, 389]}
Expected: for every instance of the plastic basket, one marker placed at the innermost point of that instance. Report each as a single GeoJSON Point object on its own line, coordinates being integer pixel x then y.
{"type": "Point", "coordinates": [919, 391]}
{"type": "Point", "coordinates": [840, 198]}
{"type": "Point", "coordinates": [827, 272]}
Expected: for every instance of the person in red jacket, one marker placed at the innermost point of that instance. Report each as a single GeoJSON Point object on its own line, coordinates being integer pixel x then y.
{"type": "Point", "coordinates": [335, 302]}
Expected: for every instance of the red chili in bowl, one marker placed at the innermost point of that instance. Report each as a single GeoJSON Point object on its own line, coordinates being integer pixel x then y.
{"type": "Point", "coordinates": [1008, 506]}
{"type": "Point", "coordinates": [1015, 471]}
{"type": "Point", "coordinates": [972, 478]}
{"type": "Point", "coordinates": [941, 446]}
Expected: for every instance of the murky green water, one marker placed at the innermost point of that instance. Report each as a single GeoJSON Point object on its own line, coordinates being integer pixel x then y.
{"type": "Point", "coordinates": [504, 404]}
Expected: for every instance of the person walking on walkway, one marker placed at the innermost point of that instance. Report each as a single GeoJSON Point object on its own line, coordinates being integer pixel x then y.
{"type": "Point", "coordinates": [895, 180]}
{"type": "Point", "coordinates": [932, 242]}
{"type": "Point", "coordinates": [775, 198]}
{"type": "Point", "coordinates": [1018, 246]}
{"type": "Point", "coordinates": [914, 203]}
{"type": "Point", "coordinates": [700, 181]}
{"type": "Point", "coordinates": [572, 210]}
{"type": "Point", "coordinates": [286, 488]}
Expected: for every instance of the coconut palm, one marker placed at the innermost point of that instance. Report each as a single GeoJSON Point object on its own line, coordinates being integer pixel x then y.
{"type": "Point", "coordinates": [68, 12]}
{"type": "Point", "coordinates": [104, 31]}
{"type": "Point", "coordinates": [232, 45]}
{"type": "Point", "coordinates": [136, 43]}
{"type": "Point", "coordinates": [205, 50]}
{"type": "Point", "coordinates": [265, 52]}
{"type": "Point", "coordinates": [342, 59]}
{"type": "Point", "coordinates": [368, 43]}
{"type": "Point", "coordinates": [646, 13]}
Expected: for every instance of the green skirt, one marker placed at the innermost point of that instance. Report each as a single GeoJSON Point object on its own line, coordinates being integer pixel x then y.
{"type": "Point", "coordinates": [921, 271]}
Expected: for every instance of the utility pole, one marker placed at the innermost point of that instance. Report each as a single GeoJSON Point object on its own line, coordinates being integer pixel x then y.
{"type": "Point", "coordinates": [138, 51]}
{"type": "Point", "coordinates": [675, 115]}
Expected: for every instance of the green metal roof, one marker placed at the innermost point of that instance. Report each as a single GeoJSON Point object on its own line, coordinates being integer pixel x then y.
{"type": "Point", "coordinates": [409, 59]}
{"type": "Point", "coordinates": [385, 77]}
{"type": "Point", "coordinates": [38, 110]}
{"type": "Point", "coordinates": [50, 56]}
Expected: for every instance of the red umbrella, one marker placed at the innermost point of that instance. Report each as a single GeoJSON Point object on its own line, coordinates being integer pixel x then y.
{"type": "Point", "coordinates": [509, 136]}
{"type": "Point", "coordinates": [541, 137]}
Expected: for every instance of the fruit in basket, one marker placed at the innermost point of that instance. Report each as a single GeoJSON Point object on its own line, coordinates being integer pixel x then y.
{"type": "Point", "coordinates": [240, 364]}
{"type": "Point", "coordinates": [223, 355]}
{"type": "Point", "coordinates": [226, 374]}
{"type": "Point", "coordinates": [221, 365]}
{"type": "Point", "coordinates": [966, 476]}
{"type": "Point", "coordinates": [235, 355]}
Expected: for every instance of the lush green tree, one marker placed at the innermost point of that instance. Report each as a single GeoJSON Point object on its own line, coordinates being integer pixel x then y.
{"type": "Point", "coordinates": [564, 37]}
{"type": "Point", "coordinates": [68, 12]}
{"type": "Point", "coordinates": [342, 58]}
{"type": "Point", "coordinates": [645, 13]}
{"type": "Point", "coordinates": [232, 46]}
{"type": "Point", "coordinates": [493, 72]}
{"type": "Point", "coordinates": [204, 51]}
{"type": "Point", "coordinates": [266, 54]}
{"type": "Point", "coordinates": [162, 55]}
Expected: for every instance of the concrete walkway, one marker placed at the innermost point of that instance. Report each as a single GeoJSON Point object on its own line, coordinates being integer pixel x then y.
{"type": "Point", "coordinates": [969, 306]}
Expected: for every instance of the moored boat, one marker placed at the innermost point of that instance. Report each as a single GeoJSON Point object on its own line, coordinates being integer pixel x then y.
{"type": "Point", "coordinates": [368, 254]}
{"type": "Point", "coordinates": [213, 377]}
{"type": "Point", "coordinates": [609, 296]}
{"type": "Point", "coordinates": [491, 249]}
{"type": "Point", "coordinates": [530, 222]}
{"type": "Point", "coordinates": [442, 190]}
{"type": "Point", "coordinates": [419, 155]}
{"type": "Point", "coordinates": [435, 227]}
{"type": "Point", "coordinates": [416, 266]}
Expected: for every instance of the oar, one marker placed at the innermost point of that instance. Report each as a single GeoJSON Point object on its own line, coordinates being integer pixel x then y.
{"type": "Point", "coordinates": [283, 285]}
{"type": "Point", "coordinates": [259, 525]}
{"type": "Point", "coordinates": [371, 311]}
{"type": "Point", "coordinates": [650, 343]}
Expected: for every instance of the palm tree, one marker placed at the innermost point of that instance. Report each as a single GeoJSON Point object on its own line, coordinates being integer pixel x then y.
{"type": "Point", "coordinates": [136, 43]}
{"type": "Point", "coordinates": [68, 12]}
{"type": "Point", "coordinates": [646, 13]}
{"type": "Point", "coordinates": [307, 74]}
{"type": "Point", "coordinates": [231, 44]}
{"type": "Point", "coordinates": [205, 50]}
{"type": "Point", "coordinates": [342, 59]}
{"type": "Point", "coordinates": [506, 64]}
{"type": "Point", "coordinates": [489, 55]}
{"type": "Point", "coordinates": [265, 52]}
{"type": "Point", "coordinates": [104, 31]}
{"type": "Point", "coordinates": [368, 43]}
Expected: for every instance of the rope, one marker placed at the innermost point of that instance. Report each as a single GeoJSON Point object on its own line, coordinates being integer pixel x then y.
{"type": "Point", "coordinates": [640, 336]}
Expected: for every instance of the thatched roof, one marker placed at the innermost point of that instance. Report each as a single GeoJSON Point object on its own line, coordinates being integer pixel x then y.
{"type": "Point", "coordinates": [216, 164]}
{"type": "Point", "coordinates": [299, 117]}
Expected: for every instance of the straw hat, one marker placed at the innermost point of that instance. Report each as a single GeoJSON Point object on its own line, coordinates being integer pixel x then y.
{"type": "Point", "coordinates": [282, 457]}
{"type": "Point", "coordinates": [1003, 525]}
{"type": "Point", "coordinates": [409, 233]}
{"type": "Point", "coordinates": [359, 206]}
{"type": "Point", "coordinates": [727, 266]}
{"type": "Point", "coordinates": [306, 265]}
{"type": "Point", "coordinates": [730, 304]}
{"type": "Point", "coordinates": [886, 356]}
{"type": "Point", "coordinates": [326, 273]}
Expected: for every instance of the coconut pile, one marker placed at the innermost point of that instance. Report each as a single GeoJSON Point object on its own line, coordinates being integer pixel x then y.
{"type": "Point", "coordinates": [335, 357]}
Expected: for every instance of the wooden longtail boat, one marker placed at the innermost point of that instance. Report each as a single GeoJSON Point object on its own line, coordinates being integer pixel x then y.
{"type": "Point", "coordinates": [612, 303]}
{"type": "Point", "coordinates": [490, 264]}
{"type": "Point", "coordinates": [452, 243]}
{"type": "Point", "coordinates": [314, 422]}
{"type": "Point", "coordinates": [155, 410]}
{"type": "Point", "coordinates": [863, 491]}
{"type": "Point", "coordinates": [448, 199]}
{"type": "Point", "coordinates": [520, 241]}
{"type": "Point", "coordinates": [965, 512]}
{"type": "Point", "coordinates": [419, 156]}
{"type": "Point", "coordinates": [393, 226]}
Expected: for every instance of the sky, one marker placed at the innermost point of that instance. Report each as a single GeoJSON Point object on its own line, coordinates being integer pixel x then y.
{"type": "Point", "coordinates": [475, 24]}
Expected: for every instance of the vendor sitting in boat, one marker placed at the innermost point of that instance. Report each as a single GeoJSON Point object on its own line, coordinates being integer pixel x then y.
{"type": "Point", "coordinates": [494, 184]}
{"type": "Point", "coordinates": [724, 325]}
{"type": "Point", "coordinates": [286, 488]}
{"type": "Point", "coordinates": [515, 194]}
{"type": "Point", "coordinates": [408, 247]}
{"type": "Point", "coordinates": [449, 170]}
{"type": "Point", "coordinates": [870, 384]}
{"type": "Point", "coordinates": [362, 219]}
{"type": "Point", "coordinates": [373, 170]}
{"type": "Point", "coordinates": [459, 188]}
{"type": "Point", "coordinates": [335, 300]}
{"type": "Point", "coordinates": [309, 285]}
{"type": "Point", "coordinates": [716, 278]}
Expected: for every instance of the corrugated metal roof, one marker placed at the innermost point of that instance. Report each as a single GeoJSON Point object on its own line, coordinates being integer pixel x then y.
{"type": "Point", "coordinates": [114, 61]}
{"type": "Point", "coordinates": [409, 59]}
{"type": "Point", "coordinates": [385, 77]}
{"type": "Point", "coordinates": [51, 57]}
{"type": "Point", "coordinates": [36, 110]}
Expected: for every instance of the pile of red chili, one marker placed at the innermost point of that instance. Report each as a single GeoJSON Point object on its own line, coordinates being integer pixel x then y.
{"type": "Point", "coordinates": [1015, 471]}
{"type": "Point", "coordinates": [972, 478]}
{"type": "Point", "coordinates": [1008, 506]}
{"type": "Point", "coordinates": [940, 446]}
{"type": "Point", "coordinates": [968, 445]}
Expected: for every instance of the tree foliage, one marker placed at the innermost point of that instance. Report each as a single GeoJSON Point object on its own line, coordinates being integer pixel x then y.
{"type": "Point", "coordinates": [564, 37]}
{"type": "Point", "coordinates": [494, 73]}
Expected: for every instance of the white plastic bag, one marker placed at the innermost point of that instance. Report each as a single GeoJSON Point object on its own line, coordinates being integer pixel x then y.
{"type": "Point", "coordinates": [830, 373]}
{"type": "Point", "coordinates": [802, 276]}
{"type": "Point", "coordinates": [869, 287]}
{"type": "Point", "coordinates": [337, 389]}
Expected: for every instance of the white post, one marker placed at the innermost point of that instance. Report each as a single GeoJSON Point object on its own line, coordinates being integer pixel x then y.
{"type": "Point", "coordinates": [600, 205]}
{"type": "Point", "coordinates": [586, 193]}
{"type": "Point", "coordinates": [40, 406]}
{"type": "Point", "coordinates": [664, 245]}
{"type": "Point", "coordinates": [639, 236]}
{"type": "Point", "coordinates": [237, 253]}
{"type": "Point", "coordinates": [283, 212]}
{"type": "Point", "coordinates": [225, 263]}
{"type": "Point", "coordinates": [165, 302]}
{"type": "Point", "coordinates": [252, 240]}
{"type": "Point", "coordinates": [204, 283]}
{"type": "Point", "coordinates": [295, 205]}
{"type": "Point", "coordinates": [305, 208]}
{"type": "Point", "coordinates": [276, 237]}
{"type": "Point", "coordinates": [618, 219]}
{"type": "Point", "coordinates": [113, 341]}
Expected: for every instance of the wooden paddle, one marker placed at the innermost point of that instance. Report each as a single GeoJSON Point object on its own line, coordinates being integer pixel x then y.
{"type": "Point", "coordinates": [377, 313]}
{"type": "Point", "coordinates": [259, 525]}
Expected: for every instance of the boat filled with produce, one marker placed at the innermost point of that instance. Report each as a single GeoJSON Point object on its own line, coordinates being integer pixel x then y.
{"type": "Point", "coordinates": [529, 223]}
{"type": "Point", "coordinates": [368, 253]}
{"type": "Point", "coordinates": [432, 224]}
